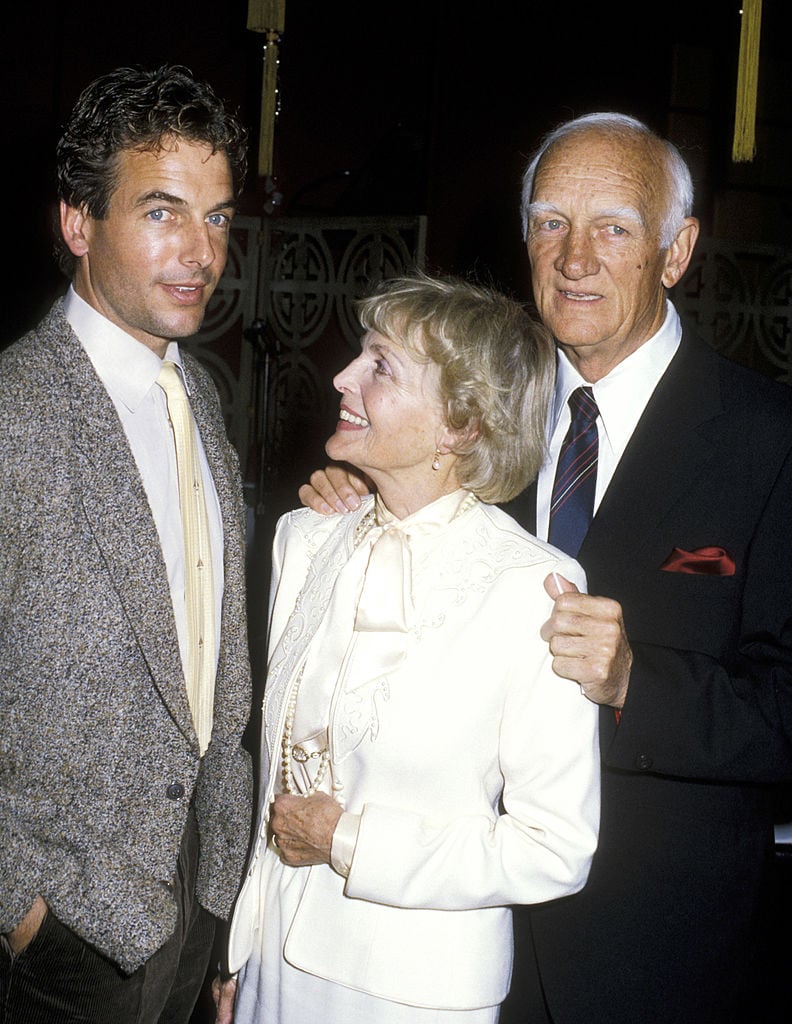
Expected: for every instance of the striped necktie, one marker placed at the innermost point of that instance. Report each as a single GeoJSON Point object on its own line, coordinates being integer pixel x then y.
{"type": "Point", "coordinates": [572, 502]}
{"type": "Point", "coordinates": [198, 579]}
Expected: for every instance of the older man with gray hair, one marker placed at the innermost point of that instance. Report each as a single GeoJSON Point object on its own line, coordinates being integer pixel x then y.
{"type": "Point", "coordinates": [669, 476]}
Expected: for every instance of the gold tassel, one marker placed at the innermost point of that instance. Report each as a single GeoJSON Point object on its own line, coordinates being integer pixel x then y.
{"type": "Point", "coordinates": [268, 16]}
{"type": "Point", "coordinates": [264, 15]}
{"type": "Point", "coordinates": [744, 144]}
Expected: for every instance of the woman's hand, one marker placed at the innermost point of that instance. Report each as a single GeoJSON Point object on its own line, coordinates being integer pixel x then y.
{"type": "Point", "coordinates": [302, 828]}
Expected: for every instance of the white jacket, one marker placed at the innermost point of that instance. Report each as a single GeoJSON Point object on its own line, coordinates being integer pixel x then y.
{"type": "Point", "coordinates": [473, 767]}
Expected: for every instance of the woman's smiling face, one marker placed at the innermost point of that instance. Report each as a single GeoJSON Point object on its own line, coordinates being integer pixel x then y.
{"type": "Point", "coordinates": [391, 420]}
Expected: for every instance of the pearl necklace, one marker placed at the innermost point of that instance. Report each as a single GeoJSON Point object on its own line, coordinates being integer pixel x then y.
{"type": "Point", "coordinates": [298, 753]}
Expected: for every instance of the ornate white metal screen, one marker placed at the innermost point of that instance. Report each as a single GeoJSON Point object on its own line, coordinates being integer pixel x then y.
{"type": "Point", "coordinates": [281, 324]}
{"type": "Point", "coordinates": [740, 300]}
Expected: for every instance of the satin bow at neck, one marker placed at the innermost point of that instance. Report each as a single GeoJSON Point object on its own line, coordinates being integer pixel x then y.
{"type": "Point", "coordinates": [386, 603]}
{"type": "Point", "coordinates": [386, 597]}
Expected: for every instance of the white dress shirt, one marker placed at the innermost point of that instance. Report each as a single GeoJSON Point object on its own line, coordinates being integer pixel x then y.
{"type": "Point", "coordinates": [621, 397]}
{"type": "Point", "coordinates": [129, 370]}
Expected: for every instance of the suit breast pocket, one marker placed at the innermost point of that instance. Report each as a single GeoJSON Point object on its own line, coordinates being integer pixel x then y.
{"type": "Point", "coordinates": [686, 611]}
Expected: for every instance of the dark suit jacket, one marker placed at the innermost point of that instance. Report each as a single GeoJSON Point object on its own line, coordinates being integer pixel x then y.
{"type": "Point", "coordinates": [665, 926]}
{"type": "Point", "coordinates": [98, 756]}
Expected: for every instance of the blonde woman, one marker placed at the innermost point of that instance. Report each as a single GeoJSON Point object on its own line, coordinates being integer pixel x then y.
{"type": "Point", "coordinates": [423, 766]}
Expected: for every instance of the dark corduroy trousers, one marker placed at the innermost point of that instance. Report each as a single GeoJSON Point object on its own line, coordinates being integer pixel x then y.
{"type": "Point", "coordinates": [59, 979]}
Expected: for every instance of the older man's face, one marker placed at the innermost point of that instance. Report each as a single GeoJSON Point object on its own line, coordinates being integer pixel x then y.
{"type": "Point", "coordinates": [594, 245]}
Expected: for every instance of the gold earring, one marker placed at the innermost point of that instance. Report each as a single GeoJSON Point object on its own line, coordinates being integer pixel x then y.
{"type": "Point", "coordinates": [436, 460]}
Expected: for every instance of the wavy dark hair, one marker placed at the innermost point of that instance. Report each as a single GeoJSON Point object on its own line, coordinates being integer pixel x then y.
{"type": "Point", "coordinates": [138, 108]}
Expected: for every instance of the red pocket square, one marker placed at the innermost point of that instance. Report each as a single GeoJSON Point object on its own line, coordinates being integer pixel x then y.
{"type": "Point", "coordinates": [710, 561]}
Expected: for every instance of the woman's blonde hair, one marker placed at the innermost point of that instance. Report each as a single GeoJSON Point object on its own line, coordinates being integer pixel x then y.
{"type": "Point", "coordinates": [497, 370]}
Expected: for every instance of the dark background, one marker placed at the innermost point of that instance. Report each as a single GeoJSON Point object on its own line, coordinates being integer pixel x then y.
{"type": "Point", "coordinates": [418, 106]}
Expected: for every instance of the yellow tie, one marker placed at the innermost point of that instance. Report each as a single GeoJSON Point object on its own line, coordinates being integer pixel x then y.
{"type": "Point", "coordinates": [198, 582]}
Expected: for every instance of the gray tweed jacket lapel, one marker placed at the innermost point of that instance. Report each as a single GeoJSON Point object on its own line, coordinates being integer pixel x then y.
{"type": "Point", "coordinates": [118, 513]}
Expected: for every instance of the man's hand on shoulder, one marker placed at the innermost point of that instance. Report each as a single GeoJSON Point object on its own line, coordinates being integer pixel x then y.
{"type": "Point", "coordinates": [334, 489]}
{"type": "Point", "coordinates": [588, 642]}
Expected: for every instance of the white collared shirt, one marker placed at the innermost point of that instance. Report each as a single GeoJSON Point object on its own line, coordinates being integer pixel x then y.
{"type": "Point", "coordinates": [129, 370]}
{"type": "Point", "coordinates": [621, 397]}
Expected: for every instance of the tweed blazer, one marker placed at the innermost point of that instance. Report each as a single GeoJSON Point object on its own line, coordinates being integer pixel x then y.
{"type": "Point", "coordinates": [99, 761]}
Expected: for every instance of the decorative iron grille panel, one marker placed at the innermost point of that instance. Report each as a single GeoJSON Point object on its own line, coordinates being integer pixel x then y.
{"type": "Point", "coordinates": [280, 326]}
{"type": "Point", "coordinates": [739, 299]}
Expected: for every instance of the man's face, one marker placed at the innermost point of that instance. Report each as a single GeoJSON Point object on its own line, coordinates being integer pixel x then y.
{"type": "Point", "coordinates": [152, 264]}
{"type": "Point", "coordinates": [594, 231]}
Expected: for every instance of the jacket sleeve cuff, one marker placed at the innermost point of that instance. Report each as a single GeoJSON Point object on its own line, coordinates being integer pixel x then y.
{"type": "Point", "coordinates": [344, 841]}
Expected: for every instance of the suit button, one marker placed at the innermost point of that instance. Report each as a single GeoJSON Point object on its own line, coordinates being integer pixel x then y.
{"type": "Point", "coordinates": [175, 791]}
{"type": "Point", "coordinates": [643, 762]}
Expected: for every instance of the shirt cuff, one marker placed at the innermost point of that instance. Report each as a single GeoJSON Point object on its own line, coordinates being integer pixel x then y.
{"type": "Point", "coordinates": [345, 837]}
